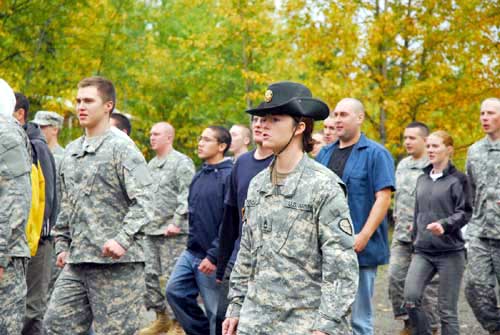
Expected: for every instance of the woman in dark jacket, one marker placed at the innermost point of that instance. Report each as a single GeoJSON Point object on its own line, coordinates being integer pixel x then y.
{"type": "Point", "coordinates": [443, 207]}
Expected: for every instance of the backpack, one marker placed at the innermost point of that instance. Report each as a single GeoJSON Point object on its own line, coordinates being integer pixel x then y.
{"type": "Point", "coordinates": [37, 210]}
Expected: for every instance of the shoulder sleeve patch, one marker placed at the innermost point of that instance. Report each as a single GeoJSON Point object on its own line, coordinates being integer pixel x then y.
{"type": "Point", "coordinates": [345, 226]}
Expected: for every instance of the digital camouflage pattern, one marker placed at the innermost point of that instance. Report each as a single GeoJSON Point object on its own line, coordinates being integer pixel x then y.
{"type": "Point", "coordinates": [13, 292]}
{"type": "Point", "coordinates": [107, 296]}
{"type": "Point", "coordinates": [407, 173]}
{"type": "Point", "coordinates": [483, 232]}
{"type": "Point", "coordinates": [106, 194]}
{"type": "Point", "coordinates": [480, 281]}
{"type": "Point", "coordinates": [483, 170]}
{"type": "Point", "coordinates": [58, 153]}
{"type": "Point", "coordinates": [401, 254]}
{"type": "Point", "coordinates": [15, 190]}
{"type": "Point", "coordinates": [15, 200]}
{"type": "Point", "coordinates": [161, 255]}
{"type": "Point", "coordinates": [296, 270]}
{"type": "Point", "coordinates": [172, 176]}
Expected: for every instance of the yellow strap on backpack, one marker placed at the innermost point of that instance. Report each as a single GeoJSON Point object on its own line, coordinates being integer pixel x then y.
{"type": "Point", "coordinates": [37, 210]}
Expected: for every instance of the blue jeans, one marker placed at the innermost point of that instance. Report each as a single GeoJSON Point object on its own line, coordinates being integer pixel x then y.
{"type": "Point", "coordinates": [450, 267]}
{"type": "Point", "coordinates": [185, 284]}
{"type": "Point", "coordinates": [362, 312]}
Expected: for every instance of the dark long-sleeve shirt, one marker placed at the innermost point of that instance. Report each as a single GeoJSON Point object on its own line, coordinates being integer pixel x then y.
{"type": "Point", "coordinates": [446, 200]}
{"type": "Point", "coordinates": [206, 206]}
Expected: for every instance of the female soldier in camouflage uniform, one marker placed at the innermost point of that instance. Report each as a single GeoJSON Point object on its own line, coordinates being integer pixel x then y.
{"type": "Point", "coordinates": [296, 271]}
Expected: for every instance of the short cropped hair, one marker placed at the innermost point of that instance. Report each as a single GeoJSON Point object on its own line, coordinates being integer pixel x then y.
{"type": "Point", "coordinates": [22, 102]}
{"type": "Point", "coordinates": [104, 86]}
{"type": "Point", "coordinates": [222, 135]}
{"type": "Point", "coordinates": [424, 129]}
{"type": "Point", "coordinates": [122, 122]}
{"type": "Point", "coordinates": [246, 131]}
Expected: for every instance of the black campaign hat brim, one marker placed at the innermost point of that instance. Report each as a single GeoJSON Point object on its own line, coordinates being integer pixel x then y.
{"type": "Point", "coordinates": [298, 106]}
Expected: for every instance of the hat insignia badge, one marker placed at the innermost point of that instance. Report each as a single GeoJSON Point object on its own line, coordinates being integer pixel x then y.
{"type": "Point", "coordinates": [268, 96]}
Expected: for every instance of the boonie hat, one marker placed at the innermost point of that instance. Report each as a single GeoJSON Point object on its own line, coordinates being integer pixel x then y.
{"type": "Point", "coordinates": [46, 118]}
{"type": "Point", "coordinates": [292, 99]}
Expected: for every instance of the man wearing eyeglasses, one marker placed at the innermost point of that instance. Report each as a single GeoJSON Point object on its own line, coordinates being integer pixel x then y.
{"type": "Point", "coordinates": [194, 272]}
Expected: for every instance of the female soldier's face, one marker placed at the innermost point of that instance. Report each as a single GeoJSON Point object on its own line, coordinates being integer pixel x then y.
{"type": "Point", "coordinates": [276, 131]}
{"type": "Point", "coordinates": [438, 152]}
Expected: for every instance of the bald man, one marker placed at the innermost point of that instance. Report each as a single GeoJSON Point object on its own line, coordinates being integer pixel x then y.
{"type": "Point", "coordinates": [166, 235]}
{"type": "Point", "coordinates": [241, 137]}
{"type": "Point", "coordinates": [329, 132]}
{"type": "Point", "coordinates": [367, 169]}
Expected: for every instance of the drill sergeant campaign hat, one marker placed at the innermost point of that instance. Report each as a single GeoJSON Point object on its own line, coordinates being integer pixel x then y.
{"type": "Point", "coordinates": [289, 98]}
{"type": "Point", "coordinates": [45, 118]}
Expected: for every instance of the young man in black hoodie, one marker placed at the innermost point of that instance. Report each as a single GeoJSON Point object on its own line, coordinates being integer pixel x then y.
{"type": "Point", "coordinates": [39, 267]}
{"type": "Point", "coordinates": [194, 272]}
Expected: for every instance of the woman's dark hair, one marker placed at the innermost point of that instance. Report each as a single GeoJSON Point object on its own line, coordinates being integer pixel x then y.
{"type": "Point", "coordinates": [307, 140]}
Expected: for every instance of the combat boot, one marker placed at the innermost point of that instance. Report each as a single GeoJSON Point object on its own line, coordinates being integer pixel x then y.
{"type": "Point", "coordinates": [176, 329]}
{"type": "Point", "coordinates": [161, 325]}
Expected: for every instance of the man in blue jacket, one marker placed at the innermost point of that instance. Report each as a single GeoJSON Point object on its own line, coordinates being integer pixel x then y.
{"type": "Point", "coordinates": [195, 270]}
{"type": "Point", "coordinates": [367, 169]}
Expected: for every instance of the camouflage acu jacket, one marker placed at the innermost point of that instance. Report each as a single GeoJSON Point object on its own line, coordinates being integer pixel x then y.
{"type": "Point", "coordinates": [106, 194]}
{"type": "Point", "coordinates": [172, 176]}
{"type": "Point", "coordinates": [296, 270]}
{"type": "Point", "coordinates": [15, 190]}
{"type": "Point", "coordinates": [483, 170]}
{"type": "Point", "coordinates": [407, 173]}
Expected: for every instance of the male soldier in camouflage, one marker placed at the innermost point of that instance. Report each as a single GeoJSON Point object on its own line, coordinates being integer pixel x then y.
{"type": "Point", "coordinates": [51, 124]}
{"type": "Point", "coordinates": [106, 188]}
{"type": "Point", "coordinates": [296, 271]}
{"type": "Point", "coordinates": [407, 173]}
{"type": "Point", "coordinates": [166, 235]}
{"type": "Point", "coordinates": [15, 199]}
{"type": "Point", "coordinates": [483, 232]}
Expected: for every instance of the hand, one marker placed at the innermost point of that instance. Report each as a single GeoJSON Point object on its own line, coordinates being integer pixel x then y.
{"type": "Point", "coordinates": [360, 242]}
{"type": "Point", "coordinates": [436, 228]}
{"type": "Point", "coordinates": [113, 249]}
{"type": "Point", "coordinates": [1, 273]}
{"type": "Point", "coordinates": [317, 332]}
{"type": "Point", "coordinates": [61, 259]}
{"type": "Point", "coordinates": [172, 230]}
{"type": "Point", "coordinates": [206, 266]}
{"type": "Point", "coordinates": [229, 326]}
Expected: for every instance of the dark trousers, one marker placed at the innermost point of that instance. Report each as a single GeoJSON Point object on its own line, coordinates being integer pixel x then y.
{"type": "Point", "coordinates": [37, 279]}
{"type": "Point", "coordinates": [450, 267]}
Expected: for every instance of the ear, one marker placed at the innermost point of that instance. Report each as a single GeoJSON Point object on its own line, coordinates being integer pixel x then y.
{"type": "Point", "coordinates": [361, 117]}
{"type": "Point", "coordinates": [247, 141]}
{"type": "Point", "coordinates": [109, 106]}
{"type": "Point", "coordinates": [222, 147]}
{"type": "Point", "coordinates": [301, 127]}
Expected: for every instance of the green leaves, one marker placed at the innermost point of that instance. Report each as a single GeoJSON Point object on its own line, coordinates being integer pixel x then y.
{"type": "Point", "coordinates": [196, 63]}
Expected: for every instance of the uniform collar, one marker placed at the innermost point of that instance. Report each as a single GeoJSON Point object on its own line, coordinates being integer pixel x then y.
{"type": "Point", "coordinates": [91, 145]}
{"type": "Point", "coordinates": [159, 162]}
{"type": "Point", "coordinates": [492, 145]}
{"type": "Point", "coordinates": [291, 181]}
